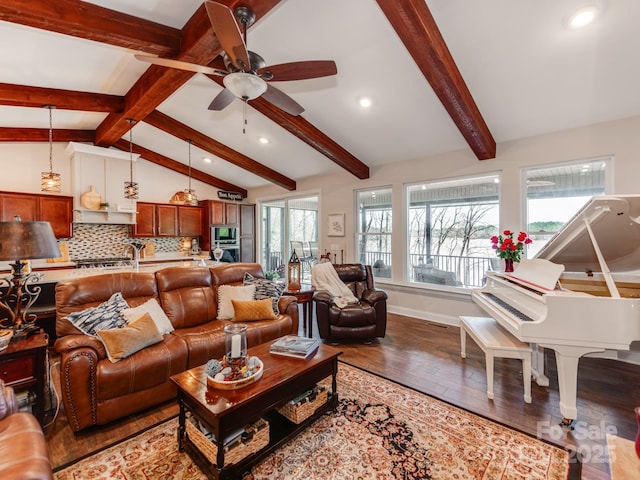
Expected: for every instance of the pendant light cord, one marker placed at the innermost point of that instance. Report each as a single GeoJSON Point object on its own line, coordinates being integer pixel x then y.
{"type": "Point", "coordinates": [189, 141]}
{"type": "Point", "coordinates": [50, 139]}
{"type": "Point", "coordinates": [131, 150]}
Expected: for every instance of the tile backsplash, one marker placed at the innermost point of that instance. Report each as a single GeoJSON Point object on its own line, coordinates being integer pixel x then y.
{"type": "Point", "coordinates": [104, 241]}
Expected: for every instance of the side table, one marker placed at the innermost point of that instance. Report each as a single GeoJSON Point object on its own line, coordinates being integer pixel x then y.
{"type": "Point", "coordinates": [23, 366]}
{"type": "Point", "coordinates": [304, 296]}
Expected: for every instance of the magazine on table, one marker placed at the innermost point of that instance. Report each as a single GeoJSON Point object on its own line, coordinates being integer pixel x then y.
{"type": "Point", "coordinates": [295, 346]}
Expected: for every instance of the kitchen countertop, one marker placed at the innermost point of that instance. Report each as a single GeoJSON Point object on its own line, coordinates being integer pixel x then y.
{"type": "Point", "coordinates": [56, 272]}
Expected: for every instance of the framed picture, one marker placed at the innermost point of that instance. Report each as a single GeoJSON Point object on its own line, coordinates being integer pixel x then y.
{"type": "Point", "coordinates": [336, 225]}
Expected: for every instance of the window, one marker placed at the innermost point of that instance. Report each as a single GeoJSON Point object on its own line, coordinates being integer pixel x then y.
{"type": "Point", "coordinates": [555, 193]}
{"type": "Point", "coordinates": [289, 224]}
{"type": "Point", "coordinates": [373, 230]}
{"type": "Point", "coordinates": [450, 223]}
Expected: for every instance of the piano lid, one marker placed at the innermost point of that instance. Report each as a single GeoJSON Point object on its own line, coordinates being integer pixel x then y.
{"type": "Point", "coordinates": [607, 225]}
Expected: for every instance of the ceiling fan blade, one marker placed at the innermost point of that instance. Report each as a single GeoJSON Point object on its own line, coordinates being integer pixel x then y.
{"type": "Point", "coordinates": [189, 67]}
{"type": "Point", "coordinates": [300, 70]}
{"type": "Point", "coordinates": [282, 100]}
{"type": "Point", "coordinates": [226, 28]}
{"type": "Point", "coordinates": [222, 100]}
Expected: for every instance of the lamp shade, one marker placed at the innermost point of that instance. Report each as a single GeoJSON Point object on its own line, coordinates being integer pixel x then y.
{"type": "Point", "coordinates": [245, 85]}
{"type": "Point", "coordinates": [27, 240]}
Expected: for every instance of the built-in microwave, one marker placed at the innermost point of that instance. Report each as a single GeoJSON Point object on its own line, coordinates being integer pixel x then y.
{"type": "Point", "coordinates": [223, 235]}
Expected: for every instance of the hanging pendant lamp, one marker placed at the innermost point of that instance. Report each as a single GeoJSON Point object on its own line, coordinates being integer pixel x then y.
{"type": "Point", "coordinates": [190, 197]}
{"type": "Point", "coordinates": [131, 188]}
{"type": "Point", "coordinates": [50, 181]}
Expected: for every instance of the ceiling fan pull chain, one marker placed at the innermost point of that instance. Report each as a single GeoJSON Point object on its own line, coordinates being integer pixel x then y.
{"type": "Point", "coordinates": [244, 115]}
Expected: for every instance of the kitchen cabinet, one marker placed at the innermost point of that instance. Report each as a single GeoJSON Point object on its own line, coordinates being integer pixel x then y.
{"type": "Point", "coordinates": [33, 207]}
{"type": "Point", "coordinates": [189, 221]}
{"type": "Point", "coordinates": [165, 220]}
{"type": "Point", "coordinates": [215, 212]}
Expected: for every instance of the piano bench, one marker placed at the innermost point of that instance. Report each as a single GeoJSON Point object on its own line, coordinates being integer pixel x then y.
{"type": "Point", "coordinates": [496, 342]}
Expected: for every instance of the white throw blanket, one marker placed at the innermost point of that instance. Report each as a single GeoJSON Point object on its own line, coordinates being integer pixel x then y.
{"type": "Point", "coordinates": [325, 277]}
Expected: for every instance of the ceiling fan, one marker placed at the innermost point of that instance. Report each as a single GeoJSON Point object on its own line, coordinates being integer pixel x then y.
{"type": "Point", "coordinates": [247, 75]}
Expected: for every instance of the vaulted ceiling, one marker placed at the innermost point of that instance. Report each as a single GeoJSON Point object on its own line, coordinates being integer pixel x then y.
{"type": "Point", "coordinates": [511, 60]}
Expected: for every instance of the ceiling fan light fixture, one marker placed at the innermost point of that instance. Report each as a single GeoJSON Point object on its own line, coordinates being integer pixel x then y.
{"type": "Point", "coordinates": [245, 85]}
{"type": "Point", "coordinates": [583, 17]}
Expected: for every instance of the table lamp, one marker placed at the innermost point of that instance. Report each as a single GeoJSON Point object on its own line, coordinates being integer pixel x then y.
{"type": "Point", "coordinates": [21, 241]}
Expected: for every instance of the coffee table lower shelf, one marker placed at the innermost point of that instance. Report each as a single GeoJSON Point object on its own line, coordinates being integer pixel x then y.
{"type": "Point", "coordinates": [281, 430]}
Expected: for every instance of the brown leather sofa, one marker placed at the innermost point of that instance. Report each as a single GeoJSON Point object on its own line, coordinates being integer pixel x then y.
{"type": "Point", "coordinates": [96, 391]}
{"type": "Point", "coordinates": [23, 449]}
{"type": "Point", "coordinates": [363, 320]}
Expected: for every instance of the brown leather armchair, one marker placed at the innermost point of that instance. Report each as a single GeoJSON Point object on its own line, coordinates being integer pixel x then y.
{"type": "Point", "coordinates": [23, 449]}
{"type": "Point", "coordinates": [363, 320]}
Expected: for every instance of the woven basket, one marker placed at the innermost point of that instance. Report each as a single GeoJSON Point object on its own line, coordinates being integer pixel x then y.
{"type": "Point", "coordinates": [301, 408]}
{"type": "Point", "coordinates": [254, 438]}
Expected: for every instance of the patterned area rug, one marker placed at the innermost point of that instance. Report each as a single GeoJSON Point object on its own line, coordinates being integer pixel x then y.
{"type": "Point", "coordinates": [380, 430]}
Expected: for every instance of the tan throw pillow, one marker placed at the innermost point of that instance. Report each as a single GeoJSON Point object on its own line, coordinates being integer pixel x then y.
{"type": "Point", "coordinates": [122, 342]}
{"type": "Point", "coordinates": [252, 310]}
{"type": "Point", "coordinates": [153, 308]}
{"type": "Point", "coordinates": [226, 293]}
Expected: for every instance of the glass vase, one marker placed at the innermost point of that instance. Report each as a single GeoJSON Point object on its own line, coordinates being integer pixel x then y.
{"type": "Point", "coordinates": [508, 265]}
{"type": "Point", "coordinates": [637, 410]}
{"type": "Point", "coordinates": [235, 343]}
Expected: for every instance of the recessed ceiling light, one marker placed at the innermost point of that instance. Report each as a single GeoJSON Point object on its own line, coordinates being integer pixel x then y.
{"type": "Point", "coordinates": [206, 160]}
{"type": "Point", "coordinates": [263, 140]}
{"type": "Point", "coordinates": [365, 102]}
{"type": "Point", "coordinates": [583, 17]}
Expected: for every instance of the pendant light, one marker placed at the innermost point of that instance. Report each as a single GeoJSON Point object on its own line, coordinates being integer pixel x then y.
{"type": "Point", "coordinates": [131, 187]}
{"type": "Point", "coordinates": [50, 181]}
{"type": "Point", "coordinates": [190, 197]}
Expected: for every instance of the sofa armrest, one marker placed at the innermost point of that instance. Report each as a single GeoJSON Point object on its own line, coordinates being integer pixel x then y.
{"type": "Point", "coordinates": [68, 343]}
{"type": "Point", "coordinates": [284, 302]}
{"type": "Point", "coordinates": [374, 296]}
{"type": "Point", "coordinates": [323, 296]}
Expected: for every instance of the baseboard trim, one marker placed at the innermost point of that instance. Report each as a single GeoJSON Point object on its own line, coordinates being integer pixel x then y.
{"type": "Point", "coordinates": [453, 321]}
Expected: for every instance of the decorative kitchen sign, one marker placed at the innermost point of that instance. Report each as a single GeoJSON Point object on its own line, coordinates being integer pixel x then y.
{"type": "Point", "coordinates": [222, 195]}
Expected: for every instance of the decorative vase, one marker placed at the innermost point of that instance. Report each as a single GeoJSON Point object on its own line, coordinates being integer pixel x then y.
{"type": "Point", "coordinates": [637, 410]}
{"type": "Point", "coordinates": [508, 265]}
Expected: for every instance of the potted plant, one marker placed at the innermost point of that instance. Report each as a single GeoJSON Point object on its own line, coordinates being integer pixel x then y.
{"type": "Point", "coordinates": [508, 248]}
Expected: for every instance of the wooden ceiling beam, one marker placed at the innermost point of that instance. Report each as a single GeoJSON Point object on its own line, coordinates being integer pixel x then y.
{"type": "Point", "coordinates": [38, 97]}
{"type": "Point", "coordinates": [92, 22]}
{"type": "Point", "coordinates": [179, 167]}
{"type": "Point", "coordinates": [186, 133]}
{"type": "Point", "coordinates": [419, 32]}
{"type": "Point", "coordinates": [10, 134]}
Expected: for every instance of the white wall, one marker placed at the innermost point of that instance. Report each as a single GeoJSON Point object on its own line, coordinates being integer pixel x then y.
{"type": "Point", "coordinates": [619, 138]}
{"type": "Point", "coordinates": [22, 163]}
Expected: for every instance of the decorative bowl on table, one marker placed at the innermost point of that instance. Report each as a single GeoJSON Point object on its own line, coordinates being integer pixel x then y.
{"type": "Point", "coordinates": [6, 334]}
{"type": "Point", "coordinates": [225, 375]}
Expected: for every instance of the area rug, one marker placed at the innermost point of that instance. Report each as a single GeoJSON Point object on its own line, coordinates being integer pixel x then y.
{"type": "Point", "coordinates": [380, 430]}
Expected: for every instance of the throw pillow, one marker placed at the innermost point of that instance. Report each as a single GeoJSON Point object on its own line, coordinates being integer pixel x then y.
{"type": "Point", "coordinates": [122, 342]}
{"type": "Point", "coordinates": [153, 308]}
{"type": "Point", "coordinates": [265, 289]}
{"type": "Point", "coordinates": [228, 292]}
{"type": "Point", "coordinates": [252, 310]}
{"type": "Point", "coordinates": [103, 317]}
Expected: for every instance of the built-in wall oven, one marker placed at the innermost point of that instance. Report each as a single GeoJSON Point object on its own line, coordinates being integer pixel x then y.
{"type": "Point", "coordinates": [226, 237]}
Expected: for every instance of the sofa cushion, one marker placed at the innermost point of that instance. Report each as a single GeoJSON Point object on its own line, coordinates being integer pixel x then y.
{"type": "Point", "coordinates": [122, 342]}
{"type": "Point", "coordinates": [228, 292]}
{"type": "Point", "coordinates": [265, 289]}
{"type": "Point", "coordinates": [252, 310]}
{"type": "Point", "coordinates": [104, 316]}
{"type": "Point", "coordinates": [153, 308]}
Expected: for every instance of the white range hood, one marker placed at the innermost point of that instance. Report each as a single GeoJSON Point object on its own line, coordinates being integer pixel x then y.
{"type": "Point", "coordinates": [106, 170]}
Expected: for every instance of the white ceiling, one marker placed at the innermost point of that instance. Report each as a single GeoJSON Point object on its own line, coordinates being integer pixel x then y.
{"type": "Point", "coordinates": [527, 71]}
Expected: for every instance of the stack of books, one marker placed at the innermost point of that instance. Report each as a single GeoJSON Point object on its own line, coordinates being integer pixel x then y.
{"type": "Point", "coordinates": [295, 346]}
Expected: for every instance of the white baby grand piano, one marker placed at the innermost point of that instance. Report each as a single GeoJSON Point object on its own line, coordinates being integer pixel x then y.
{"type": "Point", "coordinates": [580, 295]}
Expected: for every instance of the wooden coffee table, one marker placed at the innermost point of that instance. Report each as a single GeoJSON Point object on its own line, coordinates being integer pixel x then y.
{"type": "Point", "coordinates": [223, 412]}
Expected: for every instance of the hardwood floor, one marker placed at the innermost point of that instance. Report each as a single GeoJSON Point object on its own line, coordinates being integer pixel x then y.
{"type": "Point", "coordinates": [426, 356]}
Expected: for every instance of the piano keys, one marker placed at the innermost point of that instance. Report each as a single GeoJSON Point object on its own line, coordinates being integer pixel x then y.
{"type": "Point", "coordinates": [579, 296]}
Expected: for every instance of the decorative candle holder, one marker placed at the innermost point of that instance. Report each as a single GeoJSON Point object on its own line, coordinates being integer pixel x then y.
{"type": "Point", "coordinates": [235, 344]}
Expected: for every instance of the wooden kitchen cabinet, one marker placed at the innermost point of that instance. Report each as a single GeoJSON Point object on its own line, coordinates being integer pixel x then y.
{"type": "Point", "coordinates": [32, 207]}
{"type": "Point", "coordinates": [165, 220]}
{"type": "Point", "coordinates": [189, 221]}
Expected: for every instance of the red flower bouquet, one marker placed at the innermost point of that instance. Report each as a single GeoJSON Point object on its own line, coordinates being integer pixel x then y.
{"type": "Point", "coordinates": [509, 248]}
